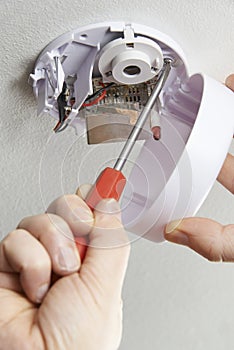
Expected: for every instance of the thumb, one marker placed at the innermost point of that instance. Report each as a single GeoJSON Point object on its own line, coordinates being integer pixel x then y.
{"type": "Point", "coordinates": [230, 82]}
{"type": "Point", "coordinates": [206, 237]}
{"type": "Point", "coordinates": [108, 252]}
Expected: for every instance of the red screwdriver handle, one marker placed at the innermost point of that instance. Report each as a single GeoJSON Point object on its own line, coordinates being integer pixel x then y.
{"type": "Point", "coordinates": [109, 184]}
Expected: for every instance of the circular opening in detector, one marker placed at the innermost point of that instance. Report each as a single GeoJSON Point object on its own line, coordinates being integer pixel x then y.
{"type": "Point", "coordinates": [132, 70]}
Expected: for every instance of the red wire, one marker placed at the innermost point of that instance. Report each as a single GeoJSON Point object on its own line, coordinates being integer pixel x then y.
{"type": "Point", "coordinates": [98, 99]}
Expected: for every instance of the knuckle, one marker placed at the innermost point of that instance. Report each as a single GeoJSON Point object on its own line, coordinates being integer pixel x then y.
{"type": "Point", "coordinates": [52, 225]}
{"type": "Point", "coordinates": [21, 223]}
{"type": "Point", "coordinates": [37, 266]}
{"type": "Point", "coordinates": [228, 229]}
{"type": "Point", "coordinates": [214, 251]}
{"type": "Point", "coordinates": [12, 236]}
{"type": "Point", "coordinates": [58, 230]}
{"type": "Point", "coordinates": [228, 243]}
{"type": "Point", "coordinates": [65, 204]}
{"type": "Point", "coordinates": [67, 199]}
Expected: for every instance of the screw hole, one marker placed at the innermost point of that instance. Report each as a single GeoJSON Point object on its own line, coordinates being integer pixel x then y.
{"type": "Point", "coordinates": [132, 70]}
{"type": "Point", "coordinates": [83, 36]}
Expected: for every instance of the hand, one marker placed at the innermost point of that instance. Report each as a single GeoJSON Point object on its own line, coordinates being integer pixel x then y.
{"type": "Point", "coordinates": [82, 307]}
{"type": "Point", "coordinates": [207, 237]}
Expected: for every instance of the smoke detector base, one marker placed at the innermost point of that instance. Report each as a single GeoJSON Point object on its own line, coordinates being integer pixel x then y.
{"type": "Point", "coordinates": [171, 178]}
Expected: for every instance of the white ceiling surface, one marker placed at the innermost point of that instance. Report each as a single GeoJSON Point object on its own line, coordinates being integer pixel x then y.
{"type": "Point", "coordinates": [174, 299]}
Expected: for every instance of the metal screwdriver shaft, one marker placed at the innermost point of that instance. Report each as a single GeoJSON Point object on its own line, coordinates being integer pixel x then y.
{"type": "Point", "coordinates": [111, 181]}
{"type": "Point", "coordinates": [143, 116]}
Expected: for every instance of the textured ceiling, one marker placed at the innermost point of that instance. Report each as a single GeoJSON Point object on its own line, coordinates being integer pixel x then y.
{"type": "Point", "coordinates": [181, 306]}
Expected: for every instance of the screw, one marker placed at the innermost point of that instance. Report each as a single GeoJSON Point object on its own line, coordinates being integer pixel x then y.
{"type": "Point", "coordinates": [108, 74]}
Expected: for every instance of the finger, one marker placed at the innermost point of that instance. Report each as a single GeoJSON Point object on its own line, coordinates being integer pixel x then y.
{"type": "Point", "coordinates": [230, 82]}
{"type": "Point", "coordinates": [10, 281]}
{"type": "Point", "coordinates": [75, 212]}
{"type": "Point", "coordinates": [207, 237]}
{"type": "Point", "coordinates": [83, 191]}
{"type": "Point", "coordinates": [106, 259]}
{"type": "Point", "coordinates": [226, 175]}
{"type": "Point", "coordinates": [21, 252]}
{"type": "Point", "coordinates": [57, 238]}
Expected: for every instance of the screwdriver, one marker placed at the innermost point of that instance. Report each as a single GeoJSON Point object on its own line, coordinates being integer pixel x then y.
{"type": "Point", "coordinates": [111, 182]}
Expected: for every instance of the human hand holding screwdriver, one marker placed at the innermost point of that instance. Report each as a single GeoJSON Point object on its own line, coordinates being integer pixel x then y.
{"type": "Point", "coordinates": [207, 237]}
{"type": "Point", "coordinates": [82, 309]}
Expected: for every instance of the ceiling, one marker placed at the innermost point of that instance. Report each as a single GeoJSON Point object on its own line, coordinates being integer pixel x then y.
{"type": "Point", "coordinates": [174, 299]}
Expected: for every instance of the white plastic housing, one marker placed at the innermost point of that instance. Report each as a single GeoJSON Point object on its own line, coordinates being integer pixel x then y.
{"type": "Point", "coordinates": [171, 178]}
{"type": "Point", "coordinates": [130, 51]}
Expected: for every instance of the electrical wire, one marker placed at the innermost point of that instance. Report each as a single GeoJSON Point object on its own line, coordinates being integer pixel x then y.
{"type": "Point", "coordinates": [107, 87]}
{"type": "Point", "coordinates": [61, 128]}
{"type": "Point", "coordinates": [101, 93]}
{"type": "Point", "coordinates": [60, 125]}
{"type": "Point", "coordinates": [98, 99]}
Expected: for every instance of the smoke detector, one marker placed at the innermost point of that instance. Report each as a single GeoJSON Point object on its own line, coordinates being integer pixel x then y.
{"type": "Point", "coordinates": [98, 78]}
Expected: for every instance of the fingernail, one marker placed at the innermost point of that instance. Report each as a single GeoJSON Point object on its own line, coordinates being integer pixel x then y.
{"type": "Point", "coordinates": [230, 81]}
{"type": "Point", "coordinates": [82, 214]}
{"type": "Point", "coordinates": [83, 190]}
{"type": "Point", "coordinates": [41, 292]}
{"type": "Point", "coordinates": [67, 259]}
{"type": "Point", "coordinates": [108, 206]}
{"type": "Point", "coordinates": [172, 226]}
{"type": "Point", "coordinates": [178, 237]}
